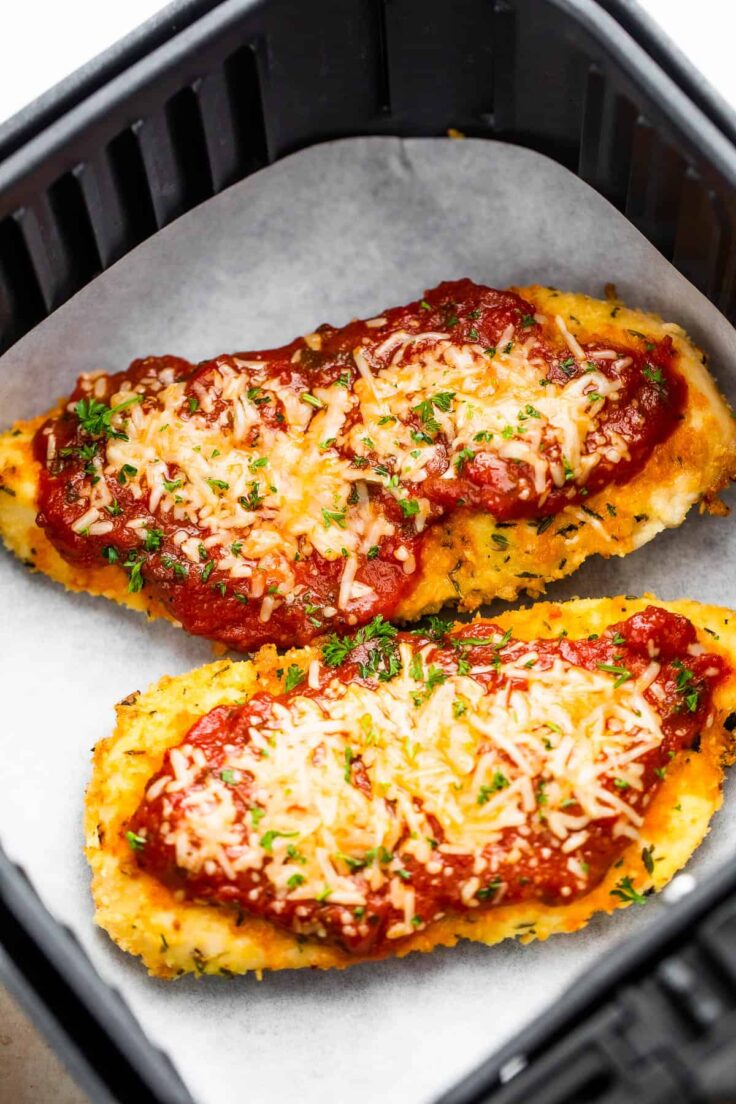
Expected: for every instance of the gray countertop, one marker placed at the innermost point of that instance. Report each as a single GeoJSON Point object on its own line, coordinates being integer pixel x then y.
{"type": "Point", "coordinates": [30, 1072]}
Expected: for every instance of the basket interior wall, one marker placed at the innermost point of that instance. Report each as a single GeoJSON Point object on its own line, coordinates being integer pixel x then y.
{"type": "Point", "coordinates": [269, 78]}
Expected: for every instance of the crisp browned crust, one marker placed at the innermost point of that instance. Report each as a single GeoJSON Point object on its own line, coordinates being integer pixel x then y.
{"type": "Point", "coordinates": [174, 937]}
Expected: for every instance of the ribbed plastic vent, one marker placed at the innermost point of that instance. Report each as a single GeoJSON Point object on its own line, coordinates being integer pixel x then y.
{"type": "Point", "coordinates": [277, 76]}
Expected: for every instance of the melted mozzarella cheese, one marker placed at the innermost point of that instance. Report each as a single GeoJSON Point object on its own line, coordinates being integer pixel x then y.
{"type": "Point", "coordinates": [421, 403]}
{"type": "Point", "coordinates": [476, 762]}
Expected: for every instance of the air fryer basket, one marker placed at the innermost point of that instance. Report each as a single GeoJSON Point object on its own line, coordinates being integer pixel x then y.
{"type": "Point", "coordinates": [205, 94]}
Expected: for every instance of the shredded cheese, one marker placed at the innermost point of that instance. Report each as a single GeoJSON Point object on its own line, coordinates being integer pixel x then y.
{"type": "Point", "coordinates": [475, 761]}
{"type": "Point", "coordinates": [265, 492]}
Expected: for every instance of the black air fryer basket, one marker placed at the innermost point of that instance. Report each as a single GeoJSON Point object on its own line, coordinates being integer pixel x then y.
{"type": "Point", "coordinates": [203, 95]}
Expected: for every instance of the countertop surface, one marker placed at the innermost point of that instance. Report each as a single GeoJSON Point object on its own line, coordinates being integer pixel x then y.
{"type": "Point", "coordinates": [30, 1072]}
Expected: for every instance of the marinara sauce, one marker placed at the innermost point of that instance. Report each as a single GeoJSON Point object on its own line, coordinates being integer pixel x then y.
{"type": "Point", "coordinates": [529, 862]}
{"type": "Point", "coordinates": [292, 593]}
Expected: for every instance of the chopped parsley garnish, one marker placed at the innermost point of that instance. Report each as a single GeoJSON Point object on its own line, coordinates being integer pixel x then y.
{"type": "Point", "coordinates": [136, 842]}
{"type": "Point", "coordinates": [95, 417]}
{"type": "Point", "coordinates": [311, 400]}
{"type": "Point", "coordinates": [333, 517]}
{"type": "Point", "coordinates": [110, 553]}
{"type": "Point", "coordinates": [348, 772]}
{"type": "Point", "coordinates": [459, 708]}
{"type": "Point", "coordinates": [568, 366]}
{"type": "Point", "coordinates": [207, 570]}
{"type": "Point", "coordinates": [268, 838]}
{"type": "Point", "coordinates": [218, 484]}
{"type": "Point", "coordinates": [153, 539]}
{"type": "Point", "coordinates": [498, 782]}
{"type": "Point", "coordinates": [461, 458]}
{"type": "Point", "coordinates": [438, 627]}
{"type": "Point", "coordinates": [295, 881]}
{"type": "Point", "coordinates": [126, 472]}
{"type": "Point", "coordinates": [622, 673]}
{"type": "Point", "coordinates": [253, 499]}
{"type": "Point", "coordinates": [172, 485]}
{"type": "Point", "coordinates": [692, 700]}
{"type": "Point", "coordinates": [135, 582]}
{"type": "Point", "coordinates": [435, 677]}
{"type": "Point", "coordinates": [294, 677]}
{"type": "Point", "coordinates": [256, 396]}
{"type": "Point", "coordinates": [409, 507]}
{"type": "Point", "coordinates": [442, 401]}
{"type": "Point", "coordinates": [193, 404]}
{"type": "Point", "coordinates": [690, 694]}
{"type": "Point", "coordinates": [654, 375]}
{"type": "Point", "coordinates": [626, 892]}
{"type": "Point", "coordinates": [647, 857]}
{"type": "Point", "coordinates": [383, 659]}
{"type": "Point", "coordinates": [542, 524]}
{"type": "Point", "coordinates": [490, 889]}
{"type": "Point", "coordinates": [228, 776]}
{"type": "Point", "coordinates": [372, 552]}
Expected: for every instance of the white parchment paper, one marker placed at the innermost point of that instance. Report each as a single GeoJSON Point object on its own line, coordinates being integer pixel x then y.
{"type": "Point", "coordinates": [339, 230]}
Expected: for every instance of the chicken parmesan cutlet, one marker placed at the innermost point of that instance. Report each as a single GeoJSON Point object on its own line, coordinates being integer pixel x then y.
{"type": "Point", "coordinates": [390, 792]}
{"type": "Point", "coordinates": [471, 445]}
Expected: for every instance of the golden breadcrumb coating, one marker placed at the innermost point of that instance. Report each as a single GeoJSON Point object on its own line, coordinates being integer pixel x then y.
{"type": "Point", "coordinates": [174, 937]}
